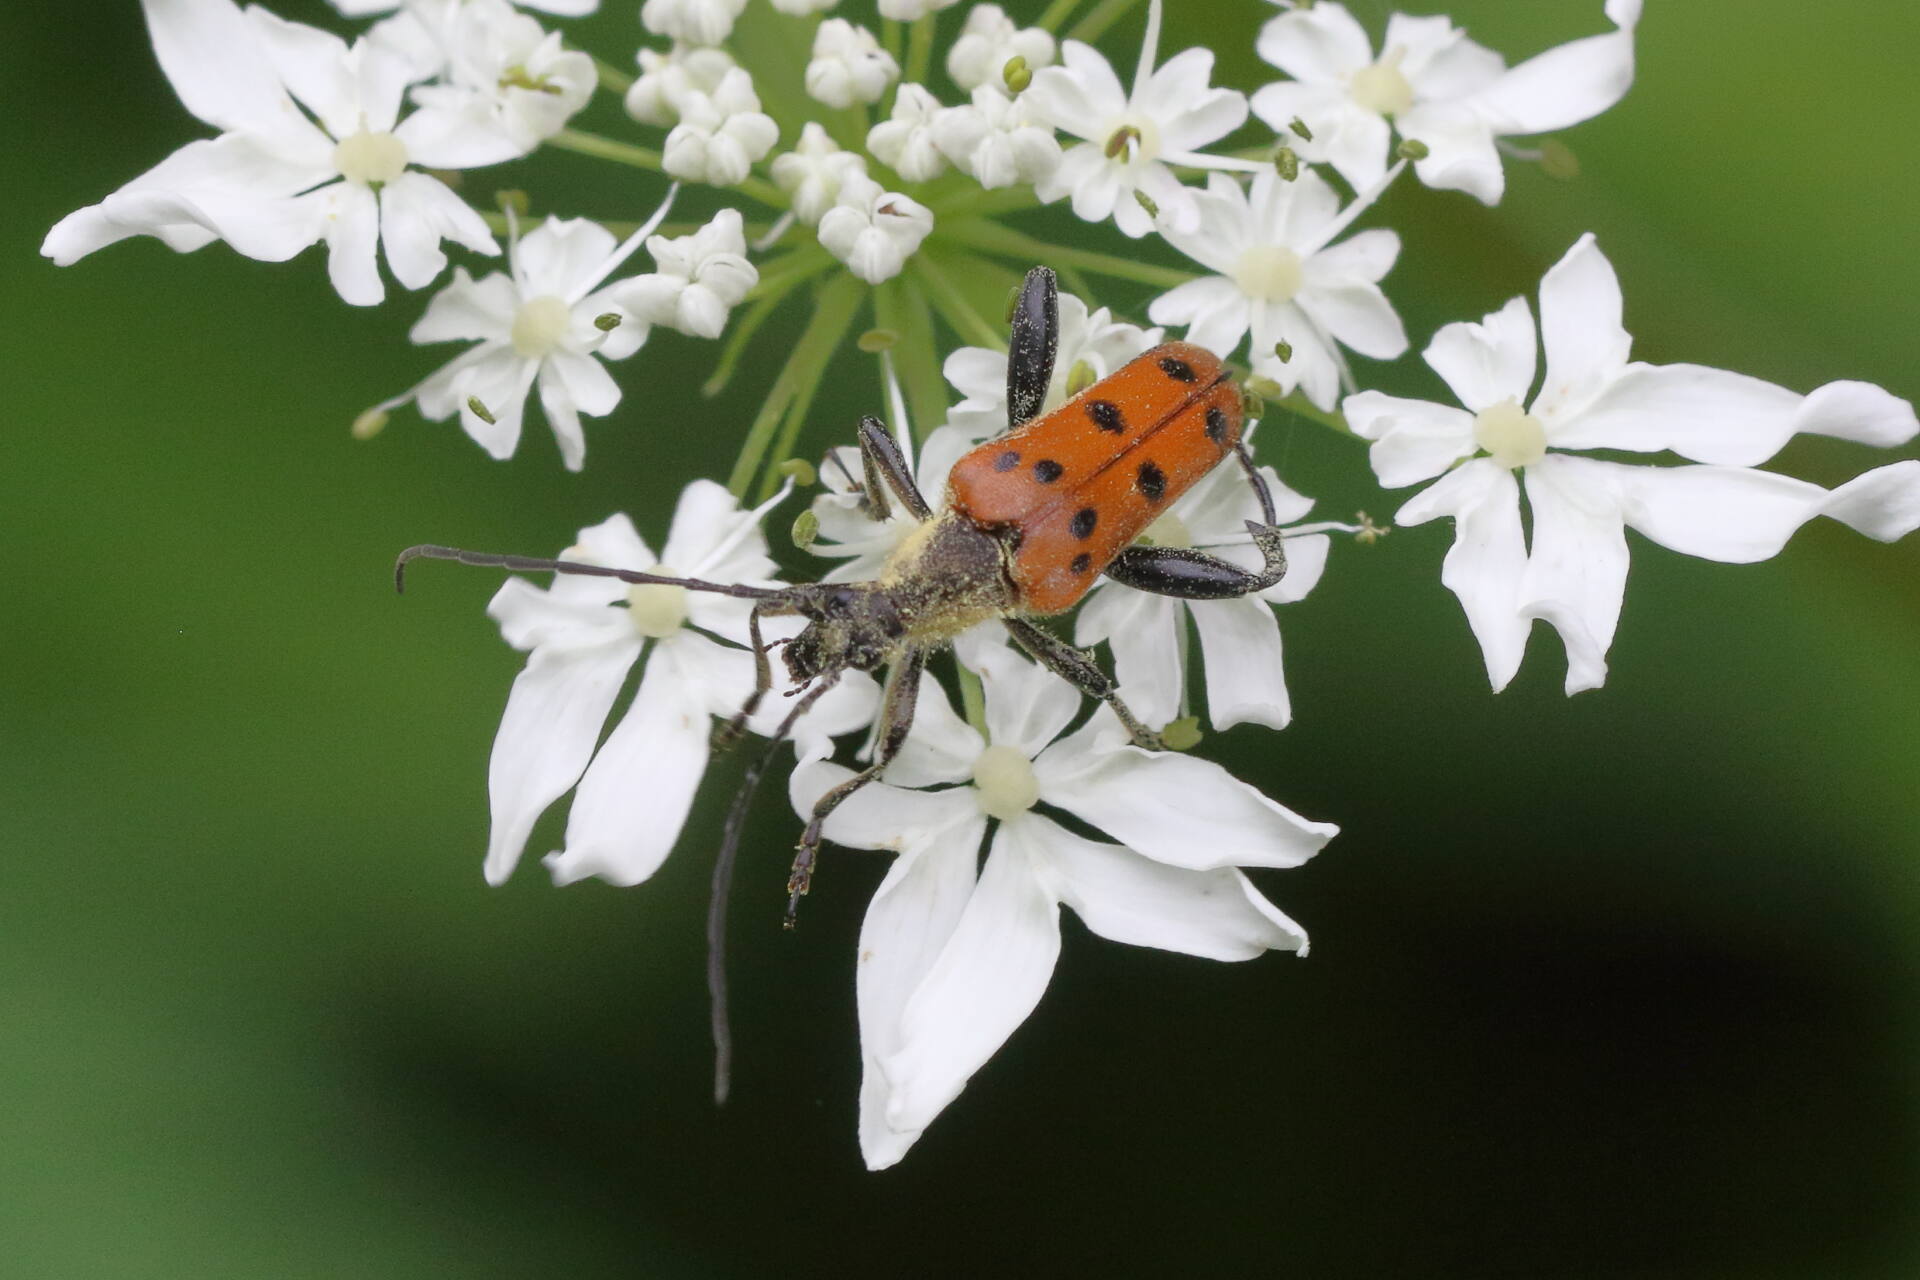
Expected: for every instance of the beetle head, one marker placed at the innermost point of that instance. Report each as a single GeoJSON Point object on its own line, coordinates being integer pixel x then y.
{"type": "Point", "coordinates": [853, 625]}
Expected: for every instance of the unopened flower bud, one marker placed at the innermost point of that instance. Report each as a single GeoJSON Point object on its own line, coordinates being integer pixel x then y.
{"type": "Point", "coordinates": [1413, 149]}
{"type": "Point", "coordinates": [799, 470]}
{"type": "Point", "coordinates": [369, 424]}
{"type": "Point", "coordinates": [1017, 74]}
{"type": "Point", "coordinates": [1283, 351]}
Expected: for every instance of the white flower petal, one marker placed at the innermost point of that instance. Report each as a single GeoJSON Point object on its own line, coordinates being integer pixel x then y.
{"type": "Point", "coordinates": [211, 55]}
{"type": "Point", "coordinates": [1027, 705]}
{"type": "Point", "coordinates": [1488, 556]}
{"type": "Point", "coordinates": [1316, 44]}
{"type": "Point", "coordinates": [315, 67]}
{"type": "Point", "coordinates": [1566, 85]}
{"type": "Point", "coordinates": [1580, 327]}
{"type": "Point", "coordinates": [553, 718]}
{"type": "Point", "coordinates": [468, 310]}
{"type": "Point", "coordinates": [1176, 809]}
{"type": "Point", "coordinates": [1143, 631]}
{"type": "Point", "coordinates": [634, 798]}
{"type": "Point", "coordinates": [941, 748]}
{"type": "Point", "coordinates": [1577, 570]}
{"type": "Point", "coordinates": [1215, 914]}
{"type": "Point", "coordinates": [353, 235]}
{"type": "Point", "coordinates": [1737, 516]}
{"type": "Point", "coordinates": [987, 979]}
{"type": "Point", "coordinates": [1414, 440]}
{"type": "Point", "coordinates": [1489, 362]}
{"type": "Point", "coordinates": [1240, 642]}
{"type": "Point", "coordinates": [1461, 155]}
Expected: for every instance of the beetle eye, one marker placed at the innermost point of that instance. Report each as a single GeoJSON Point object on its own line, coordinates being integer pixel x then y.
{"type": "Point", "coordinates": [840, 601]}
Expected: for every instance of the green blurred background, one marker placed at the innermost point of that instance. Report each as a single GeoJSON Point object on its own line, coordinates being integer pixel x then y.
{"type": "Point", "coordinates": [1621, 985]}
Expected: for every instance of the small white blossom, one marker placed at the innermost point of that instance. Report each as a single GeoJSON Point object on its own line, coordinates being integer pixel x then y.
{"type": "Point", "coordinates": [953, 959]}
{"type": "Point", "coordinates": [507, 77]}
{"type": "Point", "coordinates": [988, 42]}
{"type": "Point", "coordinates": [1434, 85]}
{"type": "Point", "coordinates": [558, 8]}
{"type": "Point", "coordinates": [801, 8]}
{"type": "Point", "coordinates": [277, 179]}
{"type": "Point", "coordinates": [1573, 570]}
{"type": "Point", "coordinates": [694, 21]}
{"type": "Point", "coordinates": [1132, 136]}
{"type": "Point", "coordinates": [666, 78]}
{"type": "Point", "coordinates": [1091, 346]}
{"type": "Point", "coordinates": [904, 142]}
{"type": "Point", "coordinates": [812, 173]}
{"type": "Point", "coordinates": [539, 324]}
{"type": "Point", "coordinates": [720, 135]}
{"type": "Point", "coordinates": [872, 230]}
{"type": "Point", "coordinates": [700, 278]}
{"type": "Point", "coordinates": [848, 65]}
{"type": "Point", "coordinates": [912, 10]}
{"type": "Point", "coordinates": [1239, 638]}
{"type": "Point", "coordinates": [1281, 279]}
{"type": "Point", "coordinates": [583, 636]}
{"type": "Point", "coordinates": [995, 141]}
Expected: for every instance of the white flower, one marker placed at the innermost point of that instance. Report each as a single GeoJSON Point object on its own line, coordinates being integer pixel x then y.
{"type": "Point", "coordinates": [1133, 136]}
{"type": "Point", "coordinates": [912, 10]}
{"type": "Point", "coordinates": [812, 173]}
{"type": "Point", "coordinates": [720, 135]}
{"type": "Point", "coordinates": [991, 40]}
{"type": "Point", "coordinates": [848, 65]}
{"type": "Point", "coordinates": [1091, 346]}
{"type": "Point", "coordinates": [536, 325]}
{"type": "Point", "coordinates": [904, 142]}
{"type": "Point", "coordinates": [1574, 572]}
{"type": "Point", "coordinates": [666, 78]}
{"type": "Point", "coordinates": [506, 77]}
{"type": "Point", "coordinates": [950, 965]}
{"type": "Point", "coordinates": [700, 278]}
{"type": "Point", "coordinates": [694, 21]}
{"type": "Point", "coordinates": [1433, 85]}
{"type": "Point", "coordinates": [1281, 279]}
{"type": "Point", "coordinates": [995, 141]}
{"type": "Point", "coordinates": [801, 8]}
{"type": "Point", "coordinates": [583, 635]}
{"type": "Point", "coordinates": [872, 230]}
{"type": "Point", "coordinates": [1239, 639]}
{"type": "Point", "coordinates": [275, 180]}
{"type": "Point", "coordinates": [559, 8]}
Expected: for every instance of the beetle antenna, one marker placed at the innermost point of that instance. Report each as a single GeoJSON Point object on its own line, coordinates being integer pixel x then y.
{"type": "Point", "coordinates": [723, 886]}
{"type": "Point", "coordinates": [1260, 489]}
{"type": "Point", "coordinates": [536, 564]}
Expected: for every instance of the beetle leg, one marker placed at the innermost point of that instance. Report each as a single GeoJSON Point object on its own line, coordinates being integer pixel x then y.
{"type": "Point", "coordinates": [1032, 345]}
{"type": "Point", "coordinates": [881, 456]}
{"type": "Point", "coordinates": [896, 717]}
{"type": "Point", "coordinates": [1080, 671]}
{"type": "Point", "coordinates": [733, 730]}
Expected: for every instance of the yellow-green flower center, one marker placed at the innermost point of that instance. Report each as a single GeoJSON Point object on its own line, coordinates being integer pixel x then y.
{"type": "Point", "coordinates": [1269, 272]}
{"type": "Point", "coordinates": [540, 326]}
{"type": "Point", "coordinates": [370, 158]}
{"type": "Point", "coordinates": [657, 610]}
{"type": "Point", "coordinates": [1511, 436]}
{"type": "Point", "coordinates": [1381, 88]}
{"type": "Point", "coordinates": [1004, 779]}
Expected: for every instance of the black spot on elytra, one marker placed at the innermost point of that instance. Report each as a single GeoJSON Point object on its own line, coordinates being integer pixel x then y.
{"type": "Point", "coordinates": [1216, 424]}
{"type": "Point", "coordinates": [1007, 461]}
{"type": "Point", "coordinates": [1082, 562]}
{"type": "Point", "coordinates": [1177, 369]}
{"type": "Point", "coordinates": [1152, 481]}
{"type": "Point", "coordinates": [1081, 526]}
{"type": "Point", "coordinates": [1046, 471]}
{"type": "Point", "coordinates": [1106, 415]}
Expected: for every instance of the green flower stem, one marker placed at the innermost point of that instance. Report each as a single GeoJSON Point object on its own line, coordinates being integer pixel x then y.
{"type": "Point", "coordinates": [1057, 13]}
{"type": "Point", "coordinates": [593, 144]}
{"type": "Point", "coordinates": [612, 78]}
{"type": "Point", "coordinates": [1298, 405]}
{"type": "Point", "coordinates": [1103, 15]}
{"type": "Point", "coordinates": [890, 39]}
{"type": "Point", "coordinates": [773, 288]}
{"type": "Point", "coordinates": [1005, 242]}
{"type": "Point", "coordinates": [984, 204]}
{"type": "Point", "coordinates": [953, 306]}
{"type": "Point", "coordinates": [833, 312]}
{"type": "Point", "coordinates": [973, 701]}
{"type": "Point", "coordinates": [1077, 284]}
{"type": "Point", "coordinates": [919, 49]}
{"type": "Point", "coordinates": [497, 223]}
{"type": "Point", "coordinates": [904, 312]}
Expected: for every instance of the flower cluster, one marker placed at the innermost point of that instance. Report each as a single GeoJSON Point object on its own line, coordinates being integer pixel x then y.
{"type": "Point", "coordinates": [880, 182]}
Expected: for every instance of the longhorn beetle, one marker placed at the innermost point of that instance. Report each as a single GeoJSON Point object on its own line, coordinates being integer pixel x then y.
{"type": "Point", "coordinates": [1031, 518]}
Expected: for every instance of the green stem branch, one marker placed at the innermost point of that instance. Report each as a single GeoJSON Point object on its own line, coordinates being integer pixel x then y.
{"type": "Point", "coordinates": [1103, 15]}
{"type": "Point", "coordinates": [1005, 242]}
{"type": "Point", "coordinates": [833, 312]}
{"type": "Point", "coordinates": [953, 306]}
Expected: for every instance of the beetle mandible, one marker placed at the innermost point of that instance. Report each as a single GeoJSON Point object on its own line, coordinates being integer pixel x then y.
{"type": "Point", "coordinates": [1030, 519]}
